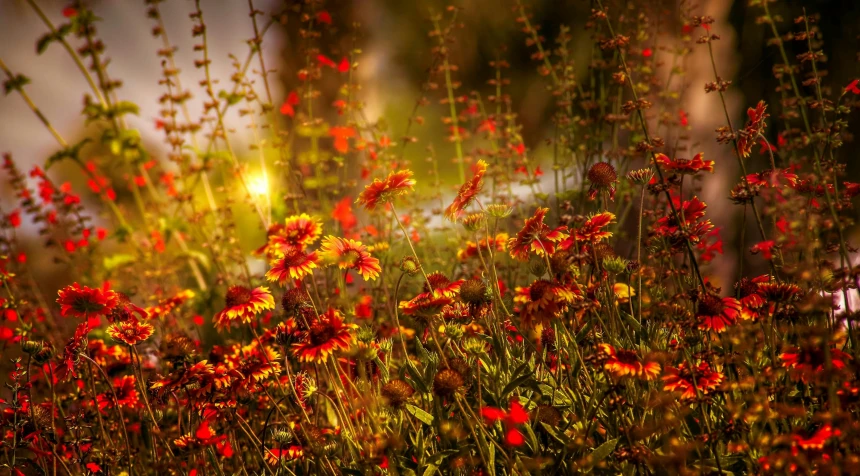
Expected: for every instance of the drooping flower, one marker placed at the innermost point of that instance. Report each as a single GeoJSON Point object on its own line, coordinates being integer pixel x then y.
{"type": "Point", "coordinates": [350, 254]}
{"type": "Point", "coordinates": [292, 263]}
{"type": "Point", "coordinates": [683, 166]}
{"type": "Point", "coordinates": [806, 363]}
{"type": "Point", "coordinates": [592, 231]}
{"type": "Point", "coordinates": [468, 192]}
{"type": "Point", "coordinates": [425, 304]}
{"type": "Point", "coordinates": [274, 456]}
{"type": "Point", "coordinates": [602, 176]}
{"type": "Point", "coordinates": [754, 126]}
{"type": "Point", "coordinates": [442, 285]}
{"type": "Point", "coordinates": [81, 301]}
{"type": "Point", "coordinates": [680, 379]}
{"type": "Point", "coordinates": [750, 297]}
{"type": "Point", "coordinates": [383, 191]}
{"type": "Point", "coordinates": [535, 236]}
{"type": "Point", "coordinates": [242, 304]}
{"type": "Point", "coordinates": [622, 363]}
{"type": "Point", "coordinates": [325, 336]}
{"type": "Point", "coordinates": [130, 332]}
{"type": "Point", "coordinates": [716, 314]}
{"type": "Point", "coordinates": [515, 416]}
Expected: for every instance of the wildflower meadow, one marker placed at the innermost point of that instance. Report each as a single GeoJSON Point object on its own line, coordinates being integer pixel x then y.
{"type": "Point", "coordinates": [273, 274]}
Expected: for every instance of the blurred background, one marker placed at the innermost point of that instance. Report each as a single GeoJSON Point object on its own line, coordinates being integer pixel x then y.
{"type": "Point", "coordinates": [393, 36]}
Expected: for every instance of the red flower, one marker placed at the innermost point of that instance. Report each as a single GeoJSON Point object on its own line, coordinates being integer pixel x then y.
{"type": "Point", "coordinates": [343, 214]}
{"type": "Point", "coordinates": [809, 362]}
{"type": "Point", "coordinates": [684, 166]}
{"type": "Point", "coordinates": [341, 136]}
{"type": "Point", "coordinates": [592, 230]}
{"type": "Point", "coordinates": [126, 394]}
{"type": "Point", "coordinates": [820, 437]}
{"type": "Point", "coordinates": [765, 248]}
{"type": "Point", "coordinates": [535, 236]}
{"type": "Point", "coordinates": [324, 17]}
{"type": "Point", "coordinates": [324, 60]}
{"type": "Point", "coordinates": [325, 336]}
{"type": "Point", "coordinates": [852, 87]}
{"type": "Point", "coordinates": [344, 65]}
{"type": "Point", "coordinates": [288, 107]}
{"type": "Point", "coordinates": [292, 263]}
{"type": "Point", "coordinates": [468, 192]}
{"type": "Point", "coordinates": [622, 363]}
{"type": "Point", "coordinates": [15, 218]}
{"type": "Point", "coordinates": [515, 416]}
{"type": "Point", "coordinates": [680, 379]}
{"type": "Point", "coordinates": [242, 304]}
{"type": "Point", "coordinates": [383, 191]}
{"type": "Point", "coordinates": [692, 210]}
{"type": "Point", "coordinates": [350, 254]}
{"type": "Point", "coordinates": [755, 126]}
{"type": "Point", "coordinates": [81, 301]}
{"type": "Point", "coordinates": [130, 332]}
{"type": "Point", "coordinates": [716, 314]}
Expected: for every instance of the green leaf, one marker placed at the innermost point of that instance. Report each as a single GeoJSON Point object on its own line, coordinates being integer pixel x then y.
{"type": "Point", "coordinates": [420, 414]}
{"type": "Point", "coordinates": [430, 469]}
{"type": "Point", "coordinates": [15, 83]}
{"type": "Point", "coordinates": [601, 452]}
{"type": "Point", "coordinates": [45, 41]}
{"type": "Point", "coordinates": [118, 260]}
{"type": "Point", "coordinates": [70, 152]}
{"type": "Point", "coordinates": [200, 257]}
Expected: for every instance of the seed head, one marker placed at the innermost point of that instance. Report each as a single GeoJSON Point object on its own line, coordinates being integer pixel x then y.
{"type": "Point", "coordinates": [602, 174]}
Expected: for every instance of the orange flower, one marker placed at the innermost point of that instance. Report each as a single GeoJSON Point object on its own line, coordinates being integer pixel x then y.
{"type": "Point", "coordinates": [472, 249]}
{"type": "Point", "coordinates": [626, 363]}
{"type": "Point", "coordinates": [166, 306]}
{"type": "Point", "coordinates": [592, 230]}
{"type": "Point", "coordinates": [717, 314]}
{"type": "Point", "coordinates": [324, 337]}
{"type": "Point", "coordinates": [468, 192]}
{"type": "Point", "coordinates": [535, 236]}
{"type": "Point", "coordinates": [543, 300]}
{"type": "Point", "coordinates": [81, 301]}
{"type": "Point", "coordinates": [350, 254]}
{"type": "Point", "coordinates": [274, 456]}
{"type": "Point", "coordinates": [383, 191]}
{"type": "Point", "coordinates": [242, 304]}
{"type": "Point", "coordinates": [425, 304]}
{"type": "Point", "coordinates": [684, 166]}
{"type": "Point", "coordinates": [297, 231]}
{"type": "Point", "coordinates": [131, 332]}
{"type": "Point", "coordinates": [292, 263]}
{"type": "Point", "coordinates": [442, 285]}
{"type": "Point", "coordinates": [680, 379]}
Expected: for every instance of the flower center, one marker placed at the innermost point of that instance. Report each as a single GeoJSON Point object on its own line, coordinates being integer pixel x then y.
{"type": "Point", "coordinates": [237, 295]}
